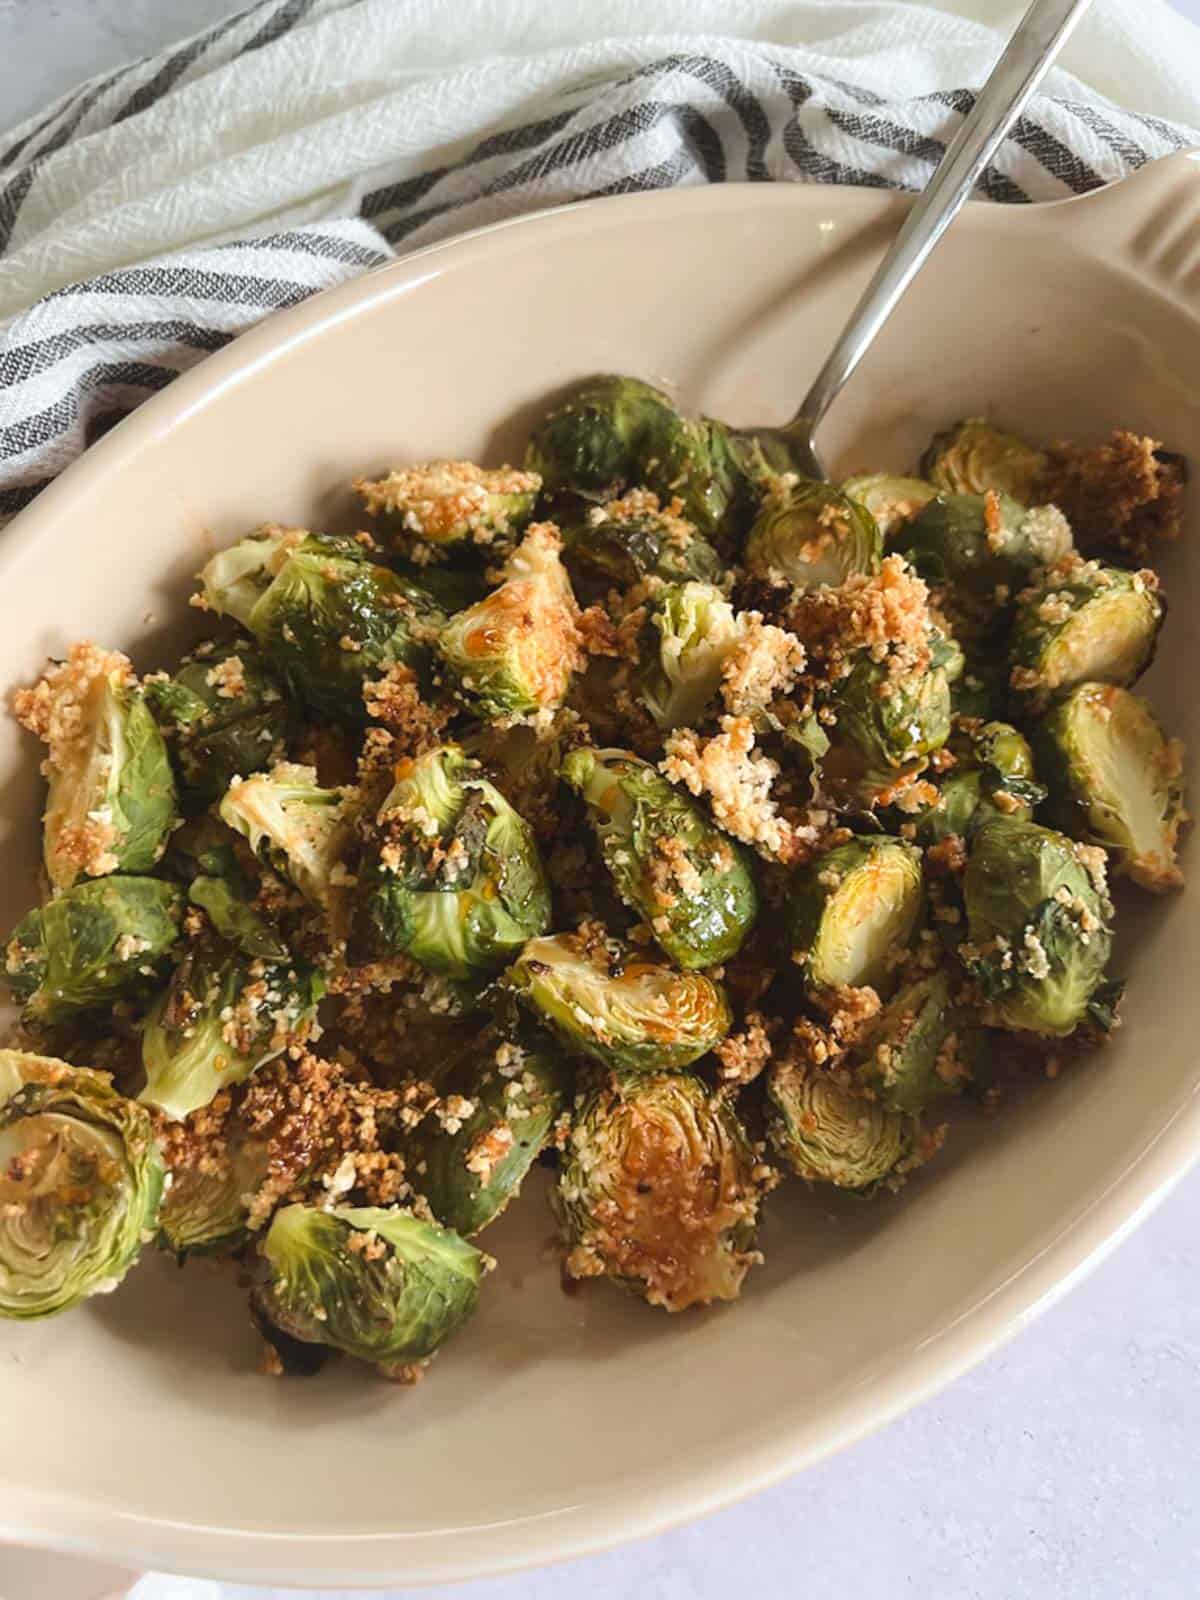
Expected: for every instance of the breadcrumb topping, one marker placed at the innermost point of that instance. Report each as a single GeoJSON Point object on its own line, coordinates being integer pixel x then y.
{"type": "Point", "coordinates": [1126, 494]}
{"type": "Point", "coordinates": [445, 502]}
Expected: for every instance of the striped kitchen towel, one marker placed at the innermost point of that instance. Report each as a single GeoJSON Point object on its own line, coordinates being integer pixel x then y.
{"type": "Point", "coordinates": [151, 215]}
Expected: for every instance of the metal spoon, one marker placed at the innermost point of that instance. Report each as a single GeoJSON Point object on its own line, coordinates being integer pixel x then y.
{"type": "Point", "coordinates": [1042, 32]}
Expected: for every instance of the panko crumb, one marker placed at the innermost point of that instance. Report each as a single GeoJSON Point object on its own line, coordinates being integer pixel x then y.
{"type": "Point", "coordinates": [395, 700]}
{"type": "Point", "coordinates": [228, 678]}
{"type": "Point", "coordinates": [444, 502]}
{"type": "Point", "coordinates": [742, 1056]}
{"type": "Point", "coordinates": [887, 614]}
{"type": "Point", "coordinates": [764, 663]}
{"type": "Point", "coordinates": [1126, 494]}
{"type": "Point", "coordinates": [737, 781]}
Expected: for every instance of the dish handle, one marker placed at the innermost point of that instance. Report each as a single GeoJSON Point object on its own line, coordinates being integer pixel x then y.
{"type": "Point", "coordinates": [1149, 221]}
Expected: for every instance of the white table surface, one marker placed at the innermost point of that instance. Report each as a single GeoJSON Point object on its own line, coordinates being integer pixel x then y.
{"type": "Point", "coordinates": [1066, 1466]}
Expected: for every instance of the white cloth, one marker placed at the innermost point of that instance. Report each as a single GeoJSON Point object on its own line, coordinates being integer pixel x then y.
{"type": "Point", "coordinates": [303, 140]}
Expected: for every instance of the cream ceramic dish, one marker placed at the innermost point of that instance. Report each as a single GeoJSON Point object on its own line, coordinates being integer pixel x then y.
{"type": "Point", "coordinates": [138, 1429]}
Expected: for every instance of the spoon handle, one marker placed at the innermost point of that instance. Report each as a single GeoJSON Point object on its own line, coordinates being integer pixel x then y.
{"type": "Point", "coordinates": [1031, 50]}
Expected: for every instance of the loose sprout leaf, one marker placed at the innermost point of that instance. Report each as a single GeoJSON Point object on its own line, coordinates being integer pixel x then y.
{"type": "Point", "coordinates": [376, 1283]}
{"type": "Point", "coordinates": [853, 911]}
{"type": "Point", "coordinates": [81, 1180]}
{"type": "Point", "coordinates": [974, 456]}
{"type": "Point", "coordinates": [293, 825]}
{"type": "Point", "coordinates": [829, 1132]}
{"type": "Point", "coordinates": [236, 920]}
{"type": "Point", "coordinates": [810, 533]}
{"type": "Point", "coordinates": [692, 885]}
{"type": "Point", "coordinates": [451, 876]}
{"type": "Point", "coordinates": [909, 1059]}
{"type": "Point", "coordinates": [660, 1190]}
{"type": "Point", "coordinates": [607, 1002]}
{"type": "Point", "coordinates": [1116, 780]}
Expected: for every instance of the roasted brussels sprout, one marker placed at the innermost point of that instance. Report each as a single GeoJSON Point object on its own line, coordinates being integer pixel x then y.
{"type": "Point", "coordinates": [809, 533]}
{"type": "Point", "coordinates": [660, 1190]}
{"type": "Point", "coordinates": [691, 883]}
{"type": "Point", "coordinates": [890, 500]}
{"type": "Point", "coordinates": [974, 456]}
{"type": "Point", "coordinates": [327, 616]}
{"type": "Point", "coordinates": [224, 714]}
{"type": "Point", "coordinates": [514, 653]}
{"type": "Point", "coordinates": [100, 941]}
{"type": "Point", "coordinates": [499, 1105]}
{"type": "Point", "coordinates": [452, 877]}
{"type": "Point", "coordinates": [219, 1019]}
{"type": "Point", "coordinates": [853, 911]}
{"type": "Point", "coordinates": [885, 727]}
{"type": "Point", "coordinates": [1115, 780]}
{"type": "Point", "coordinates": [379, 1284]}
{"type": "Point", "coordinates": [910, 1058]}
{"type": "Point", "coordinates": [1037, 925]}
{"type": "Point", "coordinates": [1079, 622]}
{"type": "Point", "coordinates": [637, 537]}
{"type": "Point", "coordinates": [440, 504]}
{"type": "Point", "coordinates": [205, 1211]}
{"type": "Point", "coordinates": [235, 919]}
{"type": "Point", "coordinates": [683, 648]}
{"type": "Point", "coordinates": [111, 797]}
{"type": "Point", "coordinates": [80, 1183]}
{"type": "Point", "coordinates": [993, 773]}
{"type": "Point", "coordinates": [829, 1132]}
{"type": "Point", "coordinates": [293, 825]}
{"type": "Point", "coordinates": [982, 546]}
{"type": "Point", "coordinates": [603, 1000]}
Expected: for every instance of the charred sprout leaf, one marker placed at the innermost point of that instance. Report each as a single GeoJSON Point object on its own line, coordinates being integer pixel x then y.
{"type": "Point", "coordinates": [452, 876]}
{"type": "Point", "coordinates": [886, 726]}
{"type": "Point", "coordinates": [80, 1183]}
{"type": "Point", "coordinates": [828, 1132]}
{"type": "Point", "coordinates": [809, 533]}
{"type": "Point", "coordinates": [441, 504]}
{"type": "Point", "coordinates": [1037, 925]}
{"type": "Point", "coordinates": [992, 774]}
{"type": "Point", "coordinates": [1079, 622]}
{"type": "Point", "coordinates": [890, 500]}
{"type": "Point", "coordinates": [684, 645]}
{"type": "Point", "coordinates": [982, 546]}
{"type": "Point", "coordinates": [660, 1190]}
{"type": "Point", "coordinates": [327, 616]}
{"type": "Point", "coordinates": [605, 1001]}
{"type": "Point", "coordinates": [293, 825]}
{"type": "Point", "coordinates": [111, 793]}
{"type": "Point", "coordinates": [515, 651]}
{"type": "Point", "coordinates": [910, 1058]}
{"type": "Point", "coordinates": [692, 884]}
{"type": "Point", "coordinates": [974, 456]}
{"type": "Point", "coordinates": [236, 920]}
{"type": "Point", "coordinates": [205, 1211]}
{"type": "Point", "coordinates": [376, 1283]}
{"type": "Point", "coordinates": [469, 1162]}
{"type": "Point", "coordinates": [220, 1018]}
{"type": "Point", "coordinates": [224, 714]}
{"type": "Point", "coordinates": [101, 941]}
{"type": "Point", "coordinates": [627, 540]}
{"type": "Point", "coordinates": [854, 910]}
{"type": "Point", "coordinates": [1116, 780]}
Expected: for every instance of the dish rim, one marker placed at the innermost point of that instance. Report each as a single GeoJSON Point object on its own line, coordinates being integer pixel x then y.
{"type": "Point", "coordinates": [72, 1525]}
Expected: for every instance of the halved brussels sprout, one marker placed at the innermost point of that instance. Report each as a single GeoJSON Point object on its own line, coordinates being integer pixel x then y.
{"type": "Point", "coordinates": [100, 941]}
{"type": "Point", "coordinates": [974, 456]}
{"type": "Point", "coordinates": [440, 504]}
{"type": "Point", "coordinates": [603, 1000]}
{"type": "Point", "coordinates": [910, 1057]}
{"type": "Point", "coordinates": [377, 1283]}
{"type": "Point", "coordinates": [811, 533]}
{"type": "Point", "coordinates": [1116, 780]}
{"type": "Point", "coordinates": [683, 649]}
{"type": "Point", "coordinates": [453, 877]}
{"type": "Point", "coordinates": [111, 799]}
{"type": "Point", "coordinates": [636, 537]}
{"type": "Point", "coordinates": [220, 1018]}
{"type": "Point", "coordinates": [1080, 622]}
{"type": "Point", "coordinates": [326, 615]}
{"type": "Point", "coordinates": [660, 1190]}
{"type": "Point", "coordinates": [980, 543]}
{"type": "Point", "coordinates": [852, 911]}
{"type": "Point", "coordinates": [1037, 925]}
{"type": "Point", "coordinates": [886, 726]}
{"type": "Point", "coordinates": [224, 714]}
{"type": "Point", "coordinates": [80, 1183]}
{"type": "Point", "coordinates": [993, 772]}
{"type": "Point", "coordinates": [691, 883]}
{"type": "Point", "coordinates": [890, 500]}
{"type": "Point", "coordinates": [293, 825]}
{"type": "Point", "coordinates": [205, 1210]}
{"type": "Point", "coordinates": [829, 1132]}
{"type": "Point", "coordinates": [506, 1100]}
{"type": "Point", "coordinates": [514, 652]}
{"type": "Point", "coordinates": [616, 433]}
